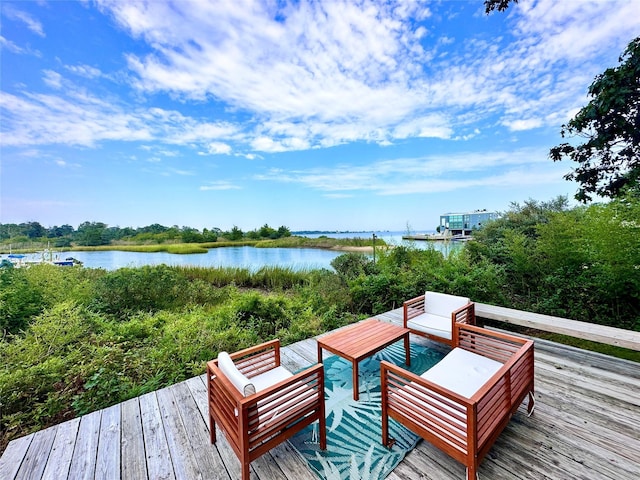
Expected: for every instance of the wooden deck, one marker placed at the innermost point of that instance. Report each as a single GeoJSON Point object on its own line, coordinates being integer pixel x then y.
{"type": "Point", "coordinates": [586, 426]}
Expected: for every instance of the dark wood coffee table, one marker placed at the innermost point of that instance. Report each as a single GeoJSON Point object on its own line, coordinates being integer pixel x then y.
{"type": "Point", "coordinates": [361, 340]}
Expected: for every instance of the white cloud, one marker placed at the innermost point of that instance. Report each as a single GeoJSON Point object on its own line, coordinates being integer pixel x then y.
{"type": "Point", "coordinates": [9, 45]}
{"type": "Point", "coordinates": [86, 71]}
{"type": "Point", "coordinates": [180, 172]}
{"type": "Point", "coordinates": [426, 174]}
{"type": "Point", "coordinates": [64, 164]}
{"type": "Point", "coordinates": [220, 185]}
{"type": "Point", "coordinates": [314, 74]}
{"type": "Point", "coordinates": [76, 118]}
{"type": "Point", "coordinates": [352, 71]}
{"type": "Point", "coordinates": [219, 148]}
{"type": "Point", "coordinates": [31, 23]}
{"type": "Point", "coordinates": [524, 124]}
{"type": "Point", "coordinates": [52, 79]}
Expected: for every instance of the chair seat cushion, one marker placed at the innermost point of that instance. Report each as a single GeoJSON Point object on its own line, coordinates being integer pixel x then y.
{"type": "Point", "coordinates": [432, 324]}
{"type": "Point", "coordinates": [462, 372]}
{"type": "Point", "coordinates": [270, 377]}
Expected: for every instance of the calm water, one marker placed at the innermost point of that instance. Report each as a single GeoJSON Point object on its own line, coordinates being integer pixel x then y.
{"type": "Point", "coordinates": [243, 257]}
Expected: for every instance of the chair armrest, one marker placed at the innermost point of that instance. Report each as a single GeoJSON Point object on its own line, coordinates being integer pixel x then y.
{"type": "Point", "coordinates": [434, 412]}
{"type": "Point", "coordinates": [284, 403]}
{"type": "Point", "coordinates": [498, 346]}
{"type": "Point", "coordinates": [413, 308]}
{"type": "Point", "coordinates": [466, 315]}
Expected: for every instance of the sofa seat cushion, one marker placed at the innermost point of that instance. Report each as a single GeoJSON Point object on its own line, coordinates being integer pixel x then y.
{"type": "Point", "coordinates": [462, 372]}
{"type": "Point", "coordinates": [432, 324]}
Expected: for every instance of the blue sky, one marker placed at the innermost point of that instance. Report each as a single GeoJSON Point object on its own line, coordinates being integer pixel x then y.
{"type": "Point", "coordinates": [313, 115]}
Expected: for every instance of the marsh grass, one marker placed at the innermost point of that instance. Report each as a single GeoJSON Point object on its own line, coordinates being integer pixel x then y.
{"type": "Point", "coordinates": [320, 242]}
{"type": "Point", "coordinates": [273, 277]}
{"type": "Point", "coordinates": [244, 243]}
{"type": "Point", "coordinates": [218, 277]}
{"type": "Point", "coordinates": [194, 248]}
{"type": "Point", "coordinates": [268, 277]}
{"type": "Point", "coordinates": [177, 248]}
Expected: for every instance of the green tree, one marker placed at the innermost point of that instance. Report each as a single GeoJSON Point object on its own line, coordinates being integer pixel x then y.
{"type": "Point", "coordinates": [267, 232]}
{"type": "Point", "coordinates": [35, 230]}
{"type": "Point", "coordinates": [191, 235]}
{"type": "Point", "coordinates": [91, 233]}
{"type": "Point", "coordinates": [500, 5]}
{"type": "Point", "coordinates": [283, 232]}
{"type": "Point", "coordinates": [235, 234]}
{"type": "Point", "coordinates": [609, 159]}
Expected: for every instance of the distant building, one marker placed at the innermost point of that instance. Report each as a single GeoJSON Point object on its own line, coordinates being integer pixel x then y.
{"type": "Point", "coordinates": [464, 223]}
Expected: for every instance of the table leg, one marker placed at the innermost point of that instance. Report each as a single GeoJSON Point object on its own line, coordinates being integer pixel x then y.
{"type": "Point", "coordinates": [356, 393]}
{"type": "Point", "coordinates": [407, 350]}
{"type": "Point", "coordinates": [319, 353]}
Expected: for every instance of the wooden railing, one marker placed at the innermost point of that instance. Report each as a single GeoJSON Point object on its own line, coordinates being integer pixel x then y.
{"type": "Point", "coordinates": [618, 337]}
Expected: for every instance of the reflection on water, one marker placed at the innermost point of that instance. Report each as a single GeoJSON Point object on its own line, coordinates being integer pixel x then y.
{"type": "Point", "coordinates": [241, 257]}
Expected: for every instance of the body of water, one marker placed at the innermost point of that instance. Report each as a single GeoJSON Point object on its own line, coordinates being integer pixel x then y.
{"type": "Point", "coordinates": [241, 257]}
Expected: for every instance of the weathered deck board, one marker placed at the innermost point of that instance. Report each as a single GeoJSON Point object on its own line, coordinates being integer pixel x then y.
{"type": "Point", "coordinates": [83, 462]}
{"type": "Point", "coordinates": [62, 450]}
{"type": "Point", "coordinates": [586, 425]}
{"type": "Point", "coordinates": [108, 458]}
{"type": "Point", "coordinates": [156, 449]}
{"type": "Point", "coordinates": [132, 467]}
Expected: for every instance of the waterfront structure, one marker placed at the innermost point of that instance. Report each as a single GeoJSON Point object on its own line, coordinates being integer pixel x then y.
{"type": "Point", "coordinates": [464, 223]}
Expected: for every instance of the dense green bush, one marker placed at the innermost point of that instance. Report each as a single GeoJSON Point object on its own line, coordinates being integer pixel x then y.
{"type": "Point", "coordinates": [581, 263]}
{"type": "Point", "coordinates": [351, 265]}
{"type": "Point", "coordinates": [148, 288]}
{"type": "Point", "coordinates": [19, 300]}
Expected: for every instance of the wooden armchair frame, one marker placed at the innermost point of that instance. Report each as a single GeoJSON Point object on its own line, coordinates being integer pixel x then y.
{"type": "Point", "coordinates": [416, 306]}
{"type": "Point", "coordinates": [464, 428]}
{"type": "Point", "coordinates": [255, 424]}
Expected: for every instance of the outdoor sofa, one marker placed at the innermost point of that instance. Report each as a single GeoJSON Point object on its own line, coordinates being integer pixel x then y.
{"type": "Point", "coordinates": [434, 314]}
{"type": "Point", "coordinates": [462, 404]}
{"type": "Point", "coordinates": [258, 404]}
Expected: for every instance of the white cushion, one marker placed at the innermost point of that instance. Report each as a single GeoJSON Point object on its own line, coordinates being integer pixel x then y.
{"type": "Point", "coordinates": [462, 372]}
{"type": "Point", "coordinates": [443, 304]}
{"type": "Point", "coordinates": [432, 324]}
{"type": "Point", "coordinates": [240, 381]}
{"type": "Point", "coordinates": [270, 377]}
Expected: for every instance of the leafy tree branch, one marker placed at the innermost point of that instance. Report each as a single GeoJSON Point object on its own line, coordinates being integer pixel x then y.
{"type": "Point", "coordinates": [609, 159]}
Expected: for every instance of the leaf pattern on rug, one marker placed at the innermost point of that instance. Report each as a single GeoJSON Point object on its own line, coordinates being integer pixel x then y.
{"type": "Point", "coordinates": [354, 431]}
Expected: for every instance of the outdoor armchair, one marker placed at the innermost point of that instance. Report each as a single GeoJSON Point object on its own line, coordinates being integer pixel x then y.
{"type": "Point", "coordinates": [462, 404]}
{"type": "Point", "coordinates": [433, 315]}
{"type": "Point", "coordinates": [258, 404]}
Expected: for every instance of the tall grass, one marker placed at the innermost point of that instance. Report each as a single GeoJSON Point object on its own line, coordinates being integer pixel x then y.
{"type": "Point", "coordinates": [320, 242]}
{"type": "Point", "coordinates": [218, 277]}
{"type": "Point", "coordinates": [177, 248]}
{"type": "Point", "coordinates": [268, 277]}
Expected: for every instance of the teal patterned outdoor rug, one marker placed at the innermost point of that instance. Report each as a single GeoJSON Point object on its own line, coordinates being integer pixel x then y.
{"type": "Point", "coordinates": [354, 432]}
